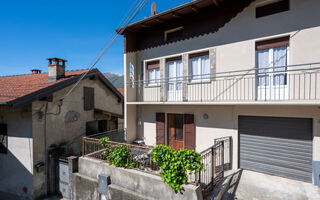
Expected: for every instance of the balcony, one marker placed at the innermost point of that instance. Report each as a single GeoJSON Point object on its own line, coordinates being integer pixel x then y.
{"type": "Point", "coordinates": [281, 84]}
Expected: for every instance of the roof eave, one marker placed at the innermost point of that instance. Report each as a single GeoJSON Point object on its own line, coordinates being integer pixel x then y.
{"type": "Point", "coordinates": [42, 93]}
{"type": "Point", "coordinates": [171, 10]}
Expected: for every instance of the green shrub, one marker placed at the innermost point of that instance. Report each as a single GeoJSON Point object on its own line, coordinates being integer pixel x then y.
{"type": "Point", "coordinates": [104, 140]}
{"type": "Point", "coordinates": [174, 164]}
{"type": "Point", "coordinates": [119, 156]}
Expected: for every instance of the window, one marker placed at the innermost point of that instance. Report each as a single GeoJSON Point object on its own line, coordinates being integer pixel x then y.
{"type": "Point", "coordinates": [172, 34]}
{"type": "Point", "coordinates": [272, 56]}
{"type": "Point", "coordinates": [3, 138]}
{"type": "Point", "coordinates": [272, 8]}
{"type": "Point", "coordinates": [88, 98]}
{"type": "Point", "coordinates": [178, 121]}
{"type": "Point", "coordinates": [153, 72]}
{"type": "Point", "coordinates": [175, 79]}
{"type": "Point", "coordinates": [102, 126]}
{"type": "Point", "coordinates": [131, 74]}
{"type": "Point", "coordinates": [200, 66]}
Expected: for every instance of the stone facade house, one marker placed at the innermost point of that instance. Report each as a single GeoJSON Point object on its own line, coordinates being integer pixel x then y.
{"type": "Point", "coordinates": [42, 111]}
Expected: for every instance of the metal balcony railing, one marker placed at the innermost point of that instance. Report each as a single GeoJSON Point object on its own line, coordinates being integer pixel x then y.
{"type": "Point", "coordinates": [282, 83]}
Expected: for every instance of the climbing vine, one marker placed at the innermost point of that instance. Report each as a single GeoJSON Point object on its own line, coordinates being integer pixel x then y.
{"type": "Point", "coordinates": [174, 165]}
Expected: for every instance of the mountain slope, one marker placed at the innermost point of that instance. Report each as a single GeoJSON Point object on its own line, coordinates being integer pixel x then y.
{"type": "Point", "coordinates": [116, 79]}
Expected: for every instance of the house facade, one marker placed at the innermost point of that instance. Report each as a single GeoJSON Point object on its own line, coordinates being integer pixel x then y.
{"type": "Point", "coordinates": [246, 69]}
{"type": "Point", "coordinates": [43, 113]}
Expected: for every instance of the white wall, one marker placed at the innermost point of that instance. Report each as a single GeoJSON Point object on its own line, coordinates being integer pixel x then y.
{"type": "Point", "coordinates": [235, 42]}
{"type": "Point", "coordinates": [223, 121]}
{"type": "Point", "coordinates": [16, 167]}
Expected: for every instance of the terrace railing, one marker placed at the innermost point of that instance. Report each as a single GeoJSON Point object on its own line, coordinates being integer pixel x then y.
{"type": "Point", "coordinates": [282, 83]}
{"type": "Point", "coordinates": [212, 159]}
{"type": "Point", "coordinates": [214, 166]}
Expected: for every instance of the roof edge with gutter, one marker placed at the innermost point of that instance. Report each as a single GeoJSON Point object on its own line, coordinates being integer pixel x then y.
{"type": "Point", "coordinates": [44, 92]}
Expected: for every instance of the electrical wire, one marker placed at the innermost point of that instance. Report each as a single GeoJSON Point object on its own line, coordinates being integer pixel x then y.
{"type": "Point", "coordinates": [133, 11]}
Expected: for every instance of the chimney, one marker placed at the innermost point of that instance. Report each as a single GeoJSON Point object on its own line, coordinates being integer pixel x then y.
{"type": "Point", "coordinates": [35, 71]}
{"type": "Point", "coordinates": [56, 69]}
{"type": "Point", "coordinates": [153, 9]}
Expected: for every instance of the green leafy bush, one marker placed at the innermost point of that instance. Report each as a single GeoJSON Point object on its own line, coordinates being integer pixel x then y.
{"type": "Point", "coordinates": [119, 156]}
{"type": "Point", "coordinates": [175, 164]}
{"type": "Point", "coordinates": [104, 140]}
{"type": "Point", "coordinates": [107, 150]}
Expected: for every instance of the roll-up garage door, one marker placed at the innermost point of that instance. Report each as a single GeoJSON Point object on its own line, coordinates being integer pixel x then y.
{"type": "Point", "coordinates": [276, 145]}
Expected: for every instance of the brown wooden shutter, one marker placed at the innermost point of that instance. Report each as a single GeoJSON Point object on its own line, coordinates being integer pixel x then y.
{"type": "Point", "coordinates": [189, 136]}
{"type": "Point", "coordinates": [160, 128]}
{"type": "Point", "coordinates": [88, 98]}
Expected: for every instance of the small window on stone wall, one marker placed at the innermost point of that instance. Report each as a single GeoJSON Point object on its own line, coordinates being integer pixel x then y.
{"type": "Point", "coordinates": [88, 95]}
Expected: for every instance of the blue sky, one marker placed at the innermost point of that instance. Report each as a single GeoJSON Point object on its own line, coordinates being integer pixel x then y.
{"type": "Point", "coordinates": [32, 31]}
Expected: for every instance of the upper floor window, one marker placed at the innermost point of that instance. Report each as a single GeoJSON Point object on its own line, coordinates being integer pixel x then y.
{"type": "Point", "coordinates": [200, 66]}
{"type": "Point", "coordinates": [153, 72]}
{"type": "Point", "coordinates": [172, 34]}
{"type": "Point", "coordinates": [272, 8]}
{"type": "Point", "coordinates": [272, 59]}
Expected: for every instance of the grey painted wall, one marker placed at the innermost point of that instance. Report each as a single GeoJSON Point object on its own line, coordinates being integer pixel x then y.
{"type": "Point", "coordinates": [16, 167]}
{"type": "Point", "coordinates": [59, 131]}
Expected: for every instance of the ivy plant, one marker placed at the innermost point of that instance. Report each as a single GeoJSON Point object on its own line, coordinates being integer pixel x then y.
{"type": "Point", "coordinates": [175, 164]}
{"type": "Point", "coordinates": [119, 156]}
{"type": "Point", "coordinates": [107, 150]}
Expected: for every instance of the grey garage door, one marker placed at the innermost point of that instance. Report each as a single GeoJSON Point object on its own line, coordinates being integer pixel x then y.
{"type": "Point", "coordinates": [276, 145]}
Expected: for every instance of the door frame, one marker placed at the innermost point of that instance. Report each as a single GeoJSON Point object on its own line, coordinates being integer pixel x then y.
{"type": "Point", "coordinates": [168, 127]}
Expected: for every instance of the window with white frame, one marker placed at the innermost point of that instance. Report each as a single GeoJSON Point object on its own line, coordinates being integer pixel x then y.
{"type": "Point", "coordinates": [153, 73]}
{"type": "Point", "coordinates": [199, 66]}
{"type": "Point", "coordinates": [272, 59]}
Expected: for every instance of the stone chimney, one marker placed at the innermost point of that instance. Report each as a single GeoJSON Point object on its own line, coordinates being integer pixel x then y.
{"type": "Point", "coordinates": [35, 71]}
{"type": "Point", "coordinates": [153, 9]}
{"type": "Point", "coordinates": [56, 69]}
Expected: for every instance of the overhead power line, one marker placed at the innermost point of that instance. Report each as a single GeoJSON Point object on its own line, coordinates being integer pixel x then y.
{"type": "Point", "coordinates": [133, 11]}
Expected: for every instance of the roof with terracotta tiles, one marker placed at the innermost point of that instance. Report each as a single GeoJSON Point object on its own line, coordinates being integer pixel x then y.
{"type": "Point", "coordinates": [13, 87]}
{"type": "Point", "coordinates": [121, 90]}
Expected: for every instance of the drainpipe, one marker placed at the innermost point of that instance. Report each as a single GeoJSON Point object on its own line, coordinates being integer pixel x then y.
{"type": "Point", "coordinates": [45, 149]}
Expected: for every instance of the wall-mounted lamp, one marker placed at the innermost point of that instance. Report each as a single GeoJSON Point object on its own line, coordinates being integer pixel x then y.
{"type": "Point", "coordinates": [205, 116]}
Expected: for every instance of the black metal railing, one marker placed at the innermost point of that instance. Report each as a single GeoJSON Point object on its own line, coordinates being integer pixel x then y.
{"type": "Point", "coordinates": [212, 173]}
{"type": "Point", "coordinates": [227, 151]}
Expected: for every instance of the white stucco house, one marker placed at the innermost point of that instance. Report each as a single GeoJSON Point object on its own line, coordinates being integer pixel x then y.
{"type": "Point", "coordinates": [215, 68]}
{"type": "Point", "coordinates": [39, 112]}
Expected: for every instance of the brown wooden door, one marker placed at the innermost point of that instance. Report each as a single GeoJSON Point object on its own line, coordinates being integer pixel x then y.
{"type": "Point", "coordinates": [175, 131]}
